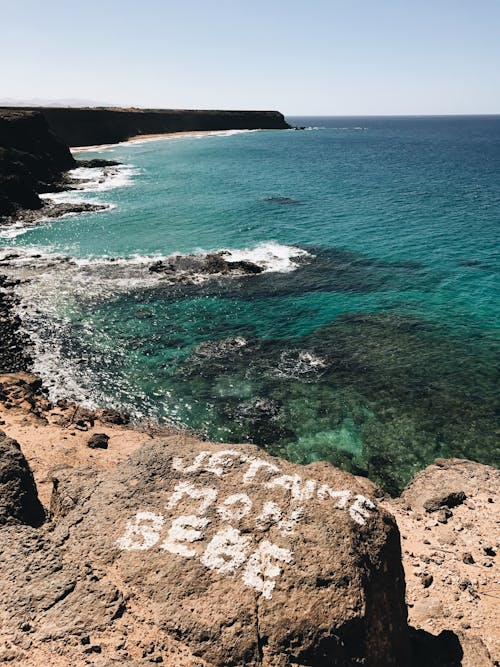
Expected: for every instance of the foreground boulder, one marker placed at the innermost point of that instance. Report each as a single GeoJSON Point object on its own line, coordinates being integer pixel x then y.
{"type": "Point", "coordinates": [19, 501]}
{"type": "Point", "coordinates": [245, 559]}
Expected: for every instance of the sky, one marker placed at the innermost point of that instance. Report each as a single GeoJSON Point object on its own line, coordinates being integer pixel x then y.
{"type": "Point", "coordinates": [324, 57]}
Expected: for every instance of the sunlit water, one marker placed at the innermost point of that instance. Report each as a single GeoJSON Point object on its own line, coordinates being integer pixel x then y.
{"type": "Point", "coordinates": [370, 340]}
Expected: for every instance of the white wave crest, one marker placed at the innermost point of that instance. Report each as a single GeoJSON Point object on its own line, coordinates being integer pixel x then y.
{"type": "Point", "coordinates": [269, 256]}
{"type": "Point", "coordinates": [90, 180]}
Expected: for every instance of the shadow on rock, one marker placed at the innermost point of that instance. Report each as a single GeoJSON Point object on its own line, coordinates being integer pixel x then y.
{"type": "Point", "coordinates": [443, 650]}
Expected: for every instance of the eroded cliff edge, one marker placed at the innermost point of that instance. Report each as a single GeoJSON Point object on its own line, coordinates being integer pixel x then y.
{"type": "Point", "coordinates": [32, 160]}
{"type": "Point", "coordinates": [90, 126]}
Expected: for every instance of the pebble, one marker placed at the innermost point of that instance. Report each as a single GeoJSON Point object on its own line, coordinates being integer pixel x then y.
{"type": "Point", "coordinates": [427, 580]}
{"type": "Point", "coordinates": [443, 515]}
{"type": "Point", "coordinates": [95, 648]}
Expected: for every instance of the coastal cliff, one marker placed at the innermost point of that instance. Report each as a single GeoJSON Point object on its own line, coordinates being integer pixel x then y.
{"type": "Point", "coordinates": [32, 160]}
{"type": "Point", "coordinates": [90, 126]}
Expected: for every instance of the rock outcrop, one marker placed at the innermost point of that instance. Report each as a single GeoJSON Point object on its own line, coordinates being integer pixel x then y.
{"type": "Point", "coordinates": [19, 501]}
{"type": "Point", "coordinates": [194, 268]}
{"type": "Point", "coordinates": [448, 521]}
{"type": "Point", "coordinates": [241, 558]}
{"type": "Point", "coordinates": [32, 160]}
{"type": "Point", "coordinates": [86, 127]}
{"type": "Point", "coordinates": [14, 347]}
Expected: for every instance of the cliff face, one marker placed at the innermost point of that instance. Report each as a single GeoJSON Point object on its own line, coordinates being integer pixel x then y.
{"type": "Point", "coordinates": [32, 159]}
{"type": "Point", "coordinates": [86, 127]}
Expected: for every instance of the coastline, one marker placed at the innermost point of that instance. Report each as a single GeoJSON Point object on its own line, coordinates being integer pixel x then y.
{"type": "Point", "coordinates": [447, 552]}
{"type": "Point", "coordinates": [146, 138]}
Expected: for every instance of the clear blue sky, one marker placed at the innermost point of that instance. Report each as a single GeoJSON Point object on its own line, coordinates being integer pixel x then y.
{"type": "Point", "coordinates": [317, 57]}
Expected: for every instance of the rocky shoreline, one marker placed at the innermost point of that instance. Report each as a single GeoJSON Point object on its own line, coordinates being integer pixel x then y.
{"type": "Point", "coordinates": [34, 162]}
{"type": "Point", "coordinates": [445, 519]}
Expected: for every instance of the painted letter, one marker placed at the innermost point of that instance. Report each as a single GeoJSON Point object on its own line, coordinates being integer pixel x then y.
{"type": "Point", "coordinates": [226, 551]}
{"type": "Point", "coordinates": [358, 509]}
{"type": "Point", "coordinates": [228, 514]}
{"type": "Point", "coordinates": [178, 534]}
{"type": "Point", "coordinates": [220, 460]}
{"type": "Point", "coordinates": [255, 465]}
{"type": "Point", "coordinates": [146, 526]}
{"type": "Point", "coordinates": [342, 497]}
{"type": "Point", "coordinates": [178, 464]}
{"type": "Point", "coordinates": [271, 513]}
{"type": "Point", "coordinates": [260, 571]}
{"type": "Point", "coordinates": [294, 484]}
{"type": "Point", "coordinates": [207, 494]}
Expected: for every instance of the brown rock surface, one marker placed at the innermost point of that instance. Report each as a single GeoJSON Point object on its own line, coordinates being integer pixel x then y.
{"type": "Point", "coordinates": [60, 576]}
{"type": "Point", "coordinates": [463, 597]}
{"type": "Point", "coordinates": [213, 549]}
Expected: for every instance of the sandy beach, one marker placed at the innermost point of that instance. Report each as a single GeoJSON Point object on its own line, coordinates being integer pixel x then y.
{"type": "Point", "coordinates": [145, 138]}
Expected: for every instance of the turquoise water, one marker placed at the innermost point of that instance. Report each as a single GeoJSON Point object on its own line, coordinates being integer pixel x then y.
{"type": "Point", "coordinates": [376, 350]}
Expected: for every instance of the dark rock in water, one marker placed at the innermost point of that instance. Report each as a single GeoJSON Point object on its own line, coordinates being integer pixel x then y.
{"type": "Point", "coordinates": [19, 501]}
{"type": "Point", "coordinates": [282, 200]}
{"type": "Point", "coordinates": [92, 164]}
{"type": "Point", "coordinates": [98, 441]}
{"type": "Point", "coordinates": [14, 344]}
{"type": "Point", "coordinates": [245, 267]}
{"type": "Point", "coordinates": [51, 209]}
{"type": "Point", "coordinates": [190, 268]}
{"type": "Point", "coordinates": [216, 542]}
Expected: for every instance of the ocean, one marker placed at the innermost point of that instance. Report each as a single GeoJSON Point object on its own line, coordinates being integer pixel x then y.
{"type": "Point", "coordinates": [369, 340]}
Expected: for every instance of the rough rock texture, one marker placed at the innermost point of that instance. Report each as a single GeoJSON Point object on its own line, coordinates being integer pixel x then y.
{"type": "Point", "coordinates": [32, 159]}
{"type": "Point", "coordinates": [217, 548]}
{"type": "Point", "coordinates": [450, 559]}
{"type": "Point", "coordinates": [14, 344]}
{"type": "Point", "coordinates": [86, 127]}
{"type": "Point", "coordinates": [193, 268]}
{"type": "Point", "coordinates": [98, 441]}
{"type": "Point", "coordinates": [19, 501]}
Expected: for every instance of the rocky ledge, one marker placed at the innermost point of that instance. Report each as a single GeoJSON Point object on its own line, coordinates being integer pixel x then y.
{"type": "Point", "coordinates": [190, 553]}
{"type": "Point", "coordinates": [191, 269]}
